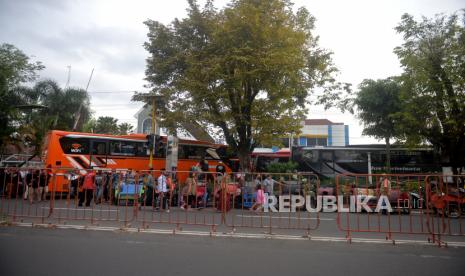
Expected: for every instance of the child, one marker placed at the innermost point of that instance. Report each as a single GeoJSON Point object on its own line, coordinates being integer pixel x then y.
{"type": "Point", "coordinates": [260, 199]}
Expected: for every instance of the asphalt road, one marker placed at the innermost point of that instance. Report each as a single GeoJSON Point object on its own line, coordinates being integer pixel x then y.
{"type": "Point", "coordinates": [35, 251]}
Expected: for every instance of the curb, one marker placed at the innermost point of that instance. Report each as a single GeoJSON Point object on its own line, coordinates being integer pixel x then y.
{"type": "Point", "coordinates": [231, 234]}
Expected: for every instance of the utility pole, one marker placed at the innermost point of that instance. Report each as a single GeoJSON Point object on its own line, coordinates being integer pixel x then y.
{"type": "Point", "coordinates": [154, 99]}
{"type": "Point", "coordinates": [78, 115]}
{"type": "Point", "coordinates": [69, 76]}
{"type": "Point", "coordinates": [152, 132]}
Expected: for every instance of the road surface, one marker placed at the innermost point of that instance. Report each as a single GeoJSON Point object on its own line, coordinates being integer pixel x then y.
{"type": "Point", "coordinates": [35, 251]}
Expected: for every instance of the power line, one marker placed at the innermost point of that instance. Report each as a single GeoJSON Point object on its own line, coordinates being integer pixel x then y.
{"type": "Point", "coordinates": [117, 92]}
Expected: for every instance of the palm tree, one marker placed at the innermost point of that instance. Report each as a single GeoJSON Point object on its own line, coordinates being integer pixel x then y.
{"type": "Point", "coordinates": [60, 110]}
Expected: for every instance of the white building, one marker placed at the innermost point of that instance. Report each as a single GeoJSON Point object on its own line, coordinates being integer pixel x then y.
{"type": "Point", "coordinates": [320, 132]}
{"type": "Point", "coordinates": [144, 121]}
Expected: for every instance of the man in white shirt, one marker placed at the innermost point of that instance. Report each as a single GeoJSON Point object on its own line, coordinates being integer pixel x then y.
{"type": "Point", "coordinates": [269, 185]}
{"type": "Point", "coordinates": [162, 190]}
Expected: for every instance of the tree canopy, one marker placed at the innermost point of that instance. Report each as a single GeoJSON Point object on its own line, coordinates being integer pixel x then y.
{"type": "Point", "coordinates": [15, 69]}
{"type": "Point", "coordinates": [107, 125]}
{"type": "Point", "coordinates": [246, 70]}
{"type": "Point", "coordinates": [433, 95]}
{"type": "Point", "coordinates": [378, 103]}
{"type": "Point", "coordinates": [51, 107]}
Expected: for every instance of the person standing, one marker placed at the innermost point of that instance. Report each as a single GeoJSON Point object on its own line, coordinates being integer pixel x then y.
{"type": "Point", "coordinates": [74, 180]}
{"type": "Point", "coordinates": [147, 181]}
{"type": "Point", "coordinates": [269, 185]}
{"type": "Point", "coordinates": [88, 188]}
{"type": "Point", "coordinates": [162, 190]}
{"type": "Point", "coordinates": [43, 185]}
{"type": "Point", "coordinates": [190, 191]}
{"type": "Point", "coordinates": [99, 179]}
{"type": "Point", "coordinates": [3, 181]}
{"type": "Point", "coordinates": [220, 171]}
{"type": "Point", "coordinates": [259, 199]}
{"type": "Point", "coordinates": [33, 183]}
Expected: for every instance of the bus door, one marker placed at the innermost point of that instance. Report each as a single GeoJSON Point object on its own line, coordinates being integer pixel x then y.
{"type": "Point", "coordinates": [99, 153]}
{"type": "Point", "coordinates": [172, 153]}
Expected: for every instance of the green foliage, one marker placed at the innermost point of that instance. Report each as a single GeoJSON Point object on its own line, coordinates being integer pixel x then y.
{"type": "Point", "coordinates": [282, 167]}
{"type": "Point", "coordinates": [107, 125]}
{"type": "Point", "coordinates": [90, 125]}
{"type": "Point", "coordinates": [15, 69]}
{"type": "Point", "coordinates": [246, 70]}
{"type": "Point", "coordinates": [433, 93]}
{"type": "Point", "coordinates": [50, 107]}
{"type": "Point", "coordinates": [378, 104]}
{"type": "Point", "coordinates": [125, 128]}
{"type": "Point", "coordinates": [15, 66]}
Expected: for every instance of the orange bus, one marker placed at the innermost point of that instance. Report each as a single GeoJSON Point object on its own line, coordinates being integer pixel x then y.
{"type": "Point", "coordinates": [65, 151]}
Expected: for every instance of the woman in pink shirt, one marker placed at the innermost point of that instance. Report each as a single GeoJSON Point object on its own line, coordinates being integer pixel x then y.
{"type": "Point", "coordinates": [259, 199]}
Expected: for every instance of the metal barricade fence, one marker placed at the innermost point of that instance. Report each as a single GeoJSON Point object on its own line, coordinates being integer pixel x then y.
{"type": "Point", "coordinates": [23, 193]}
{"type": "Point", "coordinates": [193, 201]}
{"type": "Point", "coordinates": [287, 198]}
{"type": "Point", "coordinates": [99, 203]}
{"type": "Point", "coordinates": [382, 203]}
{"type": "Point", "coordinates": [445, 199]}
{"type": "Point", "coordinates": [428, 205]}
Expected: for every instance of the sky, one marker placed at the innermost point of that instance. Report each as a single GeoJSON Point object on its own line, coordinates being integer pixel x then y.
{"type": "Point", "coordinates": [72, 37]}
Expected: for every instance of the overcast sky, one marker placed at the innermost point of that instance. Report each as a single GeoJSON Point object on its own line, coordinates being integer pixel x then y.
{"type": "Point", "coordinates": [108, 36]}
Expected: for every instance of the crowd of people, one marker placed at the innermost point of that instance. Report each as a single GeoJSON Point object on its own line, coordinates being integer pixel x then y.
{"type": "Point", "coordinates": [160, 190]}
{"type": "Point", "coordinates": [29, 184]}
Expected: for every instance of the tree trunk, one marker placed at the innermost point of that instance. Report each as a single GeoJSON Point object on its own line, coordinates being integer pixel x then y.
{"type": "Point", "coordinates": [388, 155]}
{"type": "Point", "coordinates": [244, 158]}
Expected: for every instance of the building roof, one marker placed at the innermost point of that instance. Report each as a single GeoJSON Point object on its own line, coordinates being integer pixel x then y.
{"type": "Point", "coordinates": [320, 122]}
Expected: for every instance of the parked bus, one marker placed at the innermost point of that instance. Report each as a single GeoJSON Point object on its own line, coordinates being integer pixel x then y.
{"type": "Point", "coordinates": [261, 160]}
{"type": "Point", "coordinates": [65, 151]}
{"type": "Point", "coordinates": [329, 161]}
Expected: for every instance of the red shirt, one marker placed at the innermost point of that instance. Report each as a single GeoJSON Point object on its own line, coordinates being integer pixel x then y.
{"type": "Point", "coordinates": [89, 183]}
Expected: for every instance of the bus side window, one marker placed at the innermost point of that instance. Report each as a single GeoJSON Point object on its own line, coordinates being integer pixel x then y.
{"type": "Point", "coordinates": [122, 148]}
{"type": "Point", "coordinates": [99, 148]}
{"type": "Point", "coordinates": [160, 151]}
{"type": "Point", "coordinates": [141, 149]}
{"type": "Point", "coordinates": [74, 145]}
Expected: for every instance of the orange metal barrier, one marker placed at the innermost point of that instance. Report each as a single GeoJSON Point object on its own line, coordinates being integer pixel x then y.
{"type": "Point", "coordinates": [23, 193]}
{"type": "Point", "coordinates": [428, 205]}
{"type": "Point", "coordinates": [368, 196]}
{"type": "Point", "coordinates": [284, 206]}
{"type": "Point", "coordinates": [194, 202]}
{"type": "Point", "coordinates": [445, 199]}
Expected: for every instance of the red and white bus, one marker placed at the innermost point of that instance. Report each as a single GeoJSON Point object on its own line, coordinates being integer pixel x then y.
{"type": "Point", "coordinates": [65, 151]}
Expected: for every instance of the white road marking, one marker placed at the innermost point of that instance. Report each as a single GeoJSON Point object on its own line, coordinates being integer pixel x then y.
{"type": "Point", "coordinates": [235, 235]}
{"type": "Point", "coordinates": [82, 209]}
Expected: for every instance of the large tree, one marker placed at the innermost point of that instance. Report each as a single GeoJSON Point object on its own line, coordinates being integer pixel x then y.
{"type": "Point", "coordinates": [245, 70]}
{"type": "Point", "coordinates": [15, 69]}
{"type": "Point", "coordinates": [433, 58]}
{"type": "Point", "coordinates": [57, 109]}
{"type": "Point", "coordinates": [106, 125]}
{"type": "Point", "coordinates": [378, 105]}
{"type": "Point", "coordinates": [125, 128]}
